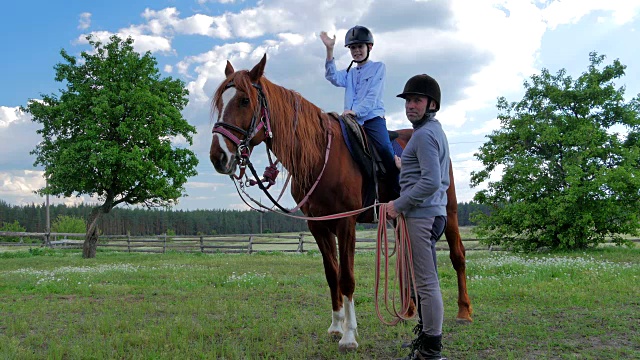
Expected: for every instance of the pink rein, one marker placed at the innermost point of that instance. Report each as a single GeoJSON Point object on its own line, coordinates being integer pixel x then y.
{"type": "Point", "coordinates": [404, 274]}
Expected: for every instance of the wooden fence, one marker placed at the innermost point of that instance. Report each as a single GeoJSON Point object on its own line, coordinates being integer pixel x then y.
{"type": "Point", "coordinates": [238, 243]}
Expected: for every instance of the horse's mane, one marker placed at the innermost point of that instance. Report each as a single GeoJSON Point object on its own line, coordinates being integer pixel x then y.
{"type": "Point", "coordinates": [299, 128]}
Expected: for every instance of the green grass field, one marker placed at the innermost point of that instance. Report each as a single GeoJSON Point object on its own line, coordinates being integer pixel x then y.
{"type": "Point", "coordinates": [56, 305]}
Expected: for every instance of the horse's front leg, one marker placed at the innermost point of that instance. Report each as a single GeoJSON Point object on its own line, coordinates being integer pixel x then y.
{"type": "Point", "coordinates": [327, 245]}
{"type": "Point", "coordinates": [347, 246]}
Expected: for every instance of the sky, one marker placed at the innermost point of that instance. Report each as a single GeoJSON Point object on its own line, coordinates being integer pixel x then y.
{"type": "Point", "coordinates": [477, 50]}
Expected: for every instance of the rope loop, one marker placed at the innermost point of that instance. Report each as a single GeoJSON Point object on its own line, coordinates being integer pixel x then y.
{"type": "Point", "coordinates": [403, 275]}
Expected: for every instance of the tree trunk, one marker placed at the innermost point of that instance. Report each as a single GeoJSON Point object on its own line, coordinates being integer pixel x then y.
{"type": "Point", "coordinates": [91, 238]}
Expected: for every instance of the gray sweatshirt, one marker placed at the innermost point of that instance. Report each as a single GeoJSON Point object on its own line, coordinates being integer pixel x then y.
{"type": "Point", "coordinates": [424, 176]}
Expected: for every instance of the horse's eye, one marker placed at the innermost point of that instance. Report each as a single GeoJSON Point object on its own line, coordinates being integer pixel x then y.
{"type": "Point", "coordinates": [244, 101]}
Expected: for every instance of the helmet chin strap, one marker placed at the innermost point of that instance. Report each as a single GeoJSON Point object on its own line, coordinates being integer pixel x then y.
{"type": "Point", "coordinates": [361, 61]}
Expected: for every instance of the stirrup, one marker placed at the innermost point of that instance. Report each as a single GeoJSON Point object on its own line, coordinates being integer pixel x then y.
{"type": "Point", "coordinates": [375, 210]}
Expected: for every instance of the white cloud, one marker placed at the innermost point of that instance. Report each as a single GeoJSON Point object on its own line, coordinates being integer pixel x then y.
{"type": "Point", "coordinates": [217, 55]}
{"type": "Point", "coordinates": [463, 157]}
{"type": "Point", "coordinates": [142, 43]}
{"type": "Point", "coordinates": [205, 185]}
{"type": "Point", "coordinates": [18, 187]}
{"type": "Point", "coordinates": [487, 127]}
{"type": "Point", "coordinates": [21, 183]}
{"type": "Point", "coordinates": [210, 68]}
{"type": "Point", "coordinates": [571, 11]}
{"type": "Point", "coordinates": [9, 115]}
{"type": "Point", "coordinates": [251, 23]}
{"type": "Point", "coordinates": [18, 138]}
{"type": "Point", "coordinates": [168, 21]}
{"type": "Point", "coordinates": [85, 21]}
{"type": "Point", "coordinates": [293, 39]}
{"type": "Point", "coordinates": [513, 41]}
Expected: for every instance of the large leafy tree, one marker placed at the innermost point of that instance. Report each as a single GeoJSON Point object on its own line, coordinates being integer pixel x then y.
{"type": "Point", "coordinates": [569, 153]}
{"type": "Point", "coordinates": [109, 133]}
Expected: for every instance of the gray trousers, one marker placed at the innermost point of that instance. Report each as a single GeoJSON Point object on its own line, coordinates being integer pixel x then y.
{"type": "Point", "coordinates": [423, 236]}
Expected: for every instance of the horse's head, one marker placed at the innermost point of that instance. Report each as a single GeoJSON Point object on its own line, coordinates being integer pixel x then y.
{"type": "Point", "coordinates": [242, 113]}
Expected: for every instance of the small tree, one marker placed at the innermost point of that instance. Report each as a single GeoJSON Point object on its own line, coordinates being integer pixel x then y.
{"type": "Point", "coordinates": [69, 224]}
{"type": "Point", "coordinates": [12, 227]}
{"type": "Point", "coordinates": [571, 155]}
{"type": "Point", "coordinates": [110, 132]}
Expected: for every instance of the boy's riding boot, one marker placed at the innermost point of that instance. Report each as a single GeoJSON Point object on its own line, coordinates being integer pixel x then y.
{"type": "Point", "coordinates": [426, 347]}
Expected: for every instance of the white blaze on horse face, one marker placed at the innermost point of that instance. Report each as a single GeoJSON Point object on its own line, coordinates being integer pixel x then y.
{"type": "Point", "coordinates": [227, 95]}
{"type": "Point", "coordinates": [225, 149]}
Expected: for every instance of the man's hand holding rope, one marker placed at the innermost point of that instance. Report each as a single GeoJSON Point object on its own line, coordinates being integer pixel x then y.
{"type": "Point", "coordinates": [391, 211]}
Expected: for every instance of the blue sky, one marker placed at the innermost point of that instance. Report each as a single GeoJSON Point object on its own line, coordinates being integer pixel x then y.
{"type": "Point", "coordinates": [477, 50]}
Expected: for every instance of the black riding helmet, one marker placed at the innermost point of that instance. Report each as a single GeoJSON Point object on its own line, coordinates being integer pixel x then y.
{"type": "Point", "coordinates": [358, 35]}
{"type": "Point", "coordinates": [424, 85]}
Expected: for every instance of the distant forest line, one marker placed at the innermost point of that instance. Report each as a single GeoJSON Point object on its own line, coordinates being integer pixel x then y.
{"type": "Point", "coordinates": [140, 221]}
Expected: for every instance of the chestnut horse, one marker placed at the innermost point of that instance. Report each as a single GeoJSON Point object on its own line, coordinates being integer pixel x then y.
{"type": "Point", "coordinates": [250, 110]}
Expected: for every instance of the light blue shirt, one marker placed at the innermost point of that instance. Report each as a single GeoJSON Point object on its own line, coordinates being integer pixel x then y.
{"type": "Point", "coordinates": [363, 85]}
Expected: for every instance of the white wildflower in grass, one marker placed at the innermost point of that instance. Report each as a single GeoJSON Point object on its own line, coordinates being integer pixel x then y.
{"type": "Point", "coordinates": [56, 275]}
{"type": "Point", "coordinates": [246, 279]}
{"type": "Point", "coordinates": [505, 266]}
{"type": "Point", "coordinates": [181, 266]}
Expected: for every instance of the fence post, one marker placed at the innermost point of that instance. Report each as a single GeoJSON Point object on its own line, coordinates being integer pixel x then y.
{"type": "Point", "coordinates": [250, 247]}
{"type": "Point", "coordinates": [301, 244]}
{"type": "Point", "coordinates": [202, 244]}
{"type": "Point", "coordinates": [164, 244]}
{"type": "Point", "coordinates": [128, 241]}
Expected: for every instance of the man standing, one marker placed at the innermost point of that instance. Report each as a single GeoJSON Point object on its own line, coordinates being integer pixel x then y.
{"type": "Point", "coordinates": [424, 180]}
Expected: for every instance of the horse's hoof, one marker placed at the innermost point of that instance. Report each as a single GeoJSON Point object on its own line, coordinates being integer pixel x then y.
{"type": "Point", "coordinates": [335, 335]}
{"type": "Point", "coordinates": [462, 321]}
{"type": "Point", "coordinates": [348, 347]}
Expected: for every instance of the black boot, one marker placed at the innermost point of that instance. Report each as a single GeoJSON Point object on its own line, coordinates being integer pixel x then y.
{"type": "Point", "coordinates": [416, 330]}
{"type": "Point", "coordinates": [426, 347]}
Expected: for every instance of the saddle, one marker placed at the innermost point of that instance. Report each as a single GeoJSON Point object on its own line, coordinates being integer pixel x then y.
{"type": "Point", "coordinates": [367, 158]}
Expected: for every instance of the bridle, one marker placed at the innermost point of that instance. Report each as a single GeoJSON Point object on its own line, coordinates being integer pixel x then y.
{"type": "Point", "coordinates": [243, 151]}
{"type": "Point", "coordinates": [243, 145]}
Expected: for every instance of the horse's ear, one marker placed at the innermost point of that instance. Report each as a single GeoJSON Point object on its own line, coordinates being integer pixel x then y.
{"type": "Point", "coordinates": [229, 69]}
{"type": "Point", "coordinates": [256, 73]}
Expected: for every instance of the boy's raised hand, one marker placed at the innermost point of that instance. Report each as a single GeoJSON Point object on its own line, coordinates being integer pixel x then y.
{"type": "Point", "coordinates": [328, 41]}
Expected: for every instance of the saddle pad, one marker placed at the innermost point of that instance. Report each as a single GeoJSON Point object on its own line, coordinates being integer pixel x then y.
{"type": "Point", "coordinates": [355, 141]}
